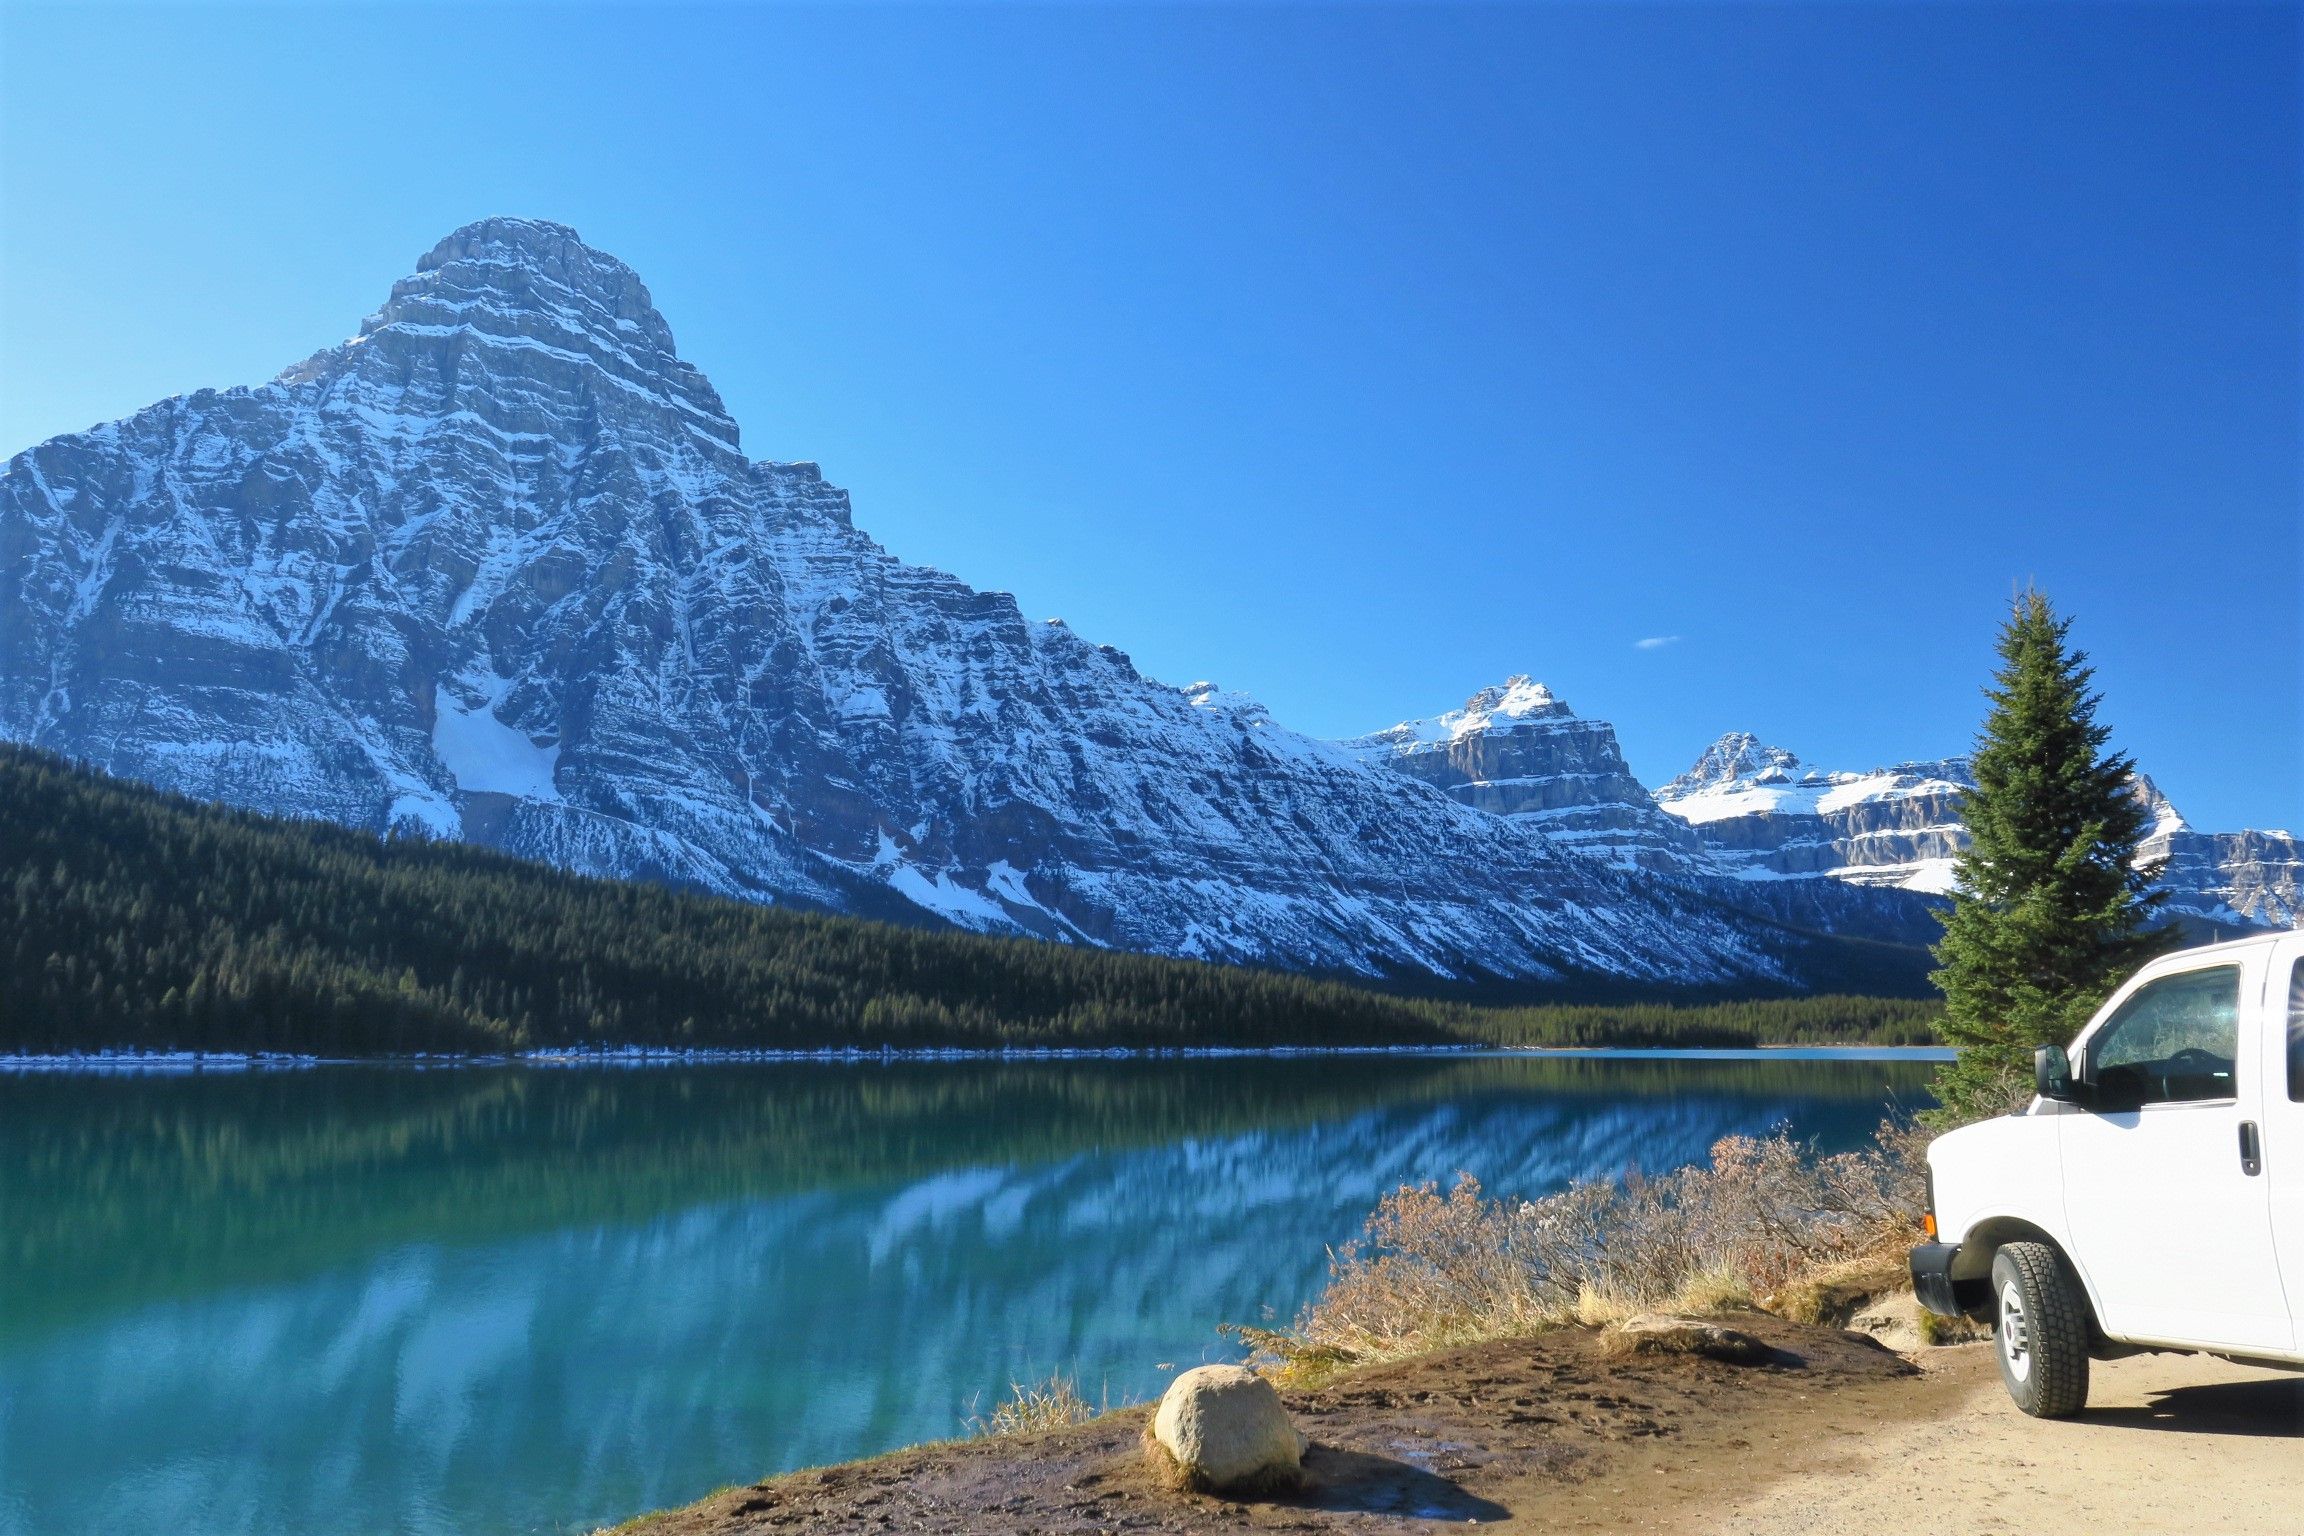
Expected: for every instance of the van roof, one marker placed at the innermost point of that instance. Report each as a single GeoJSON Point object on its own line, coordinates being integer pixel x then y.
{"type": "Point", "coordinates": [2225, 947]}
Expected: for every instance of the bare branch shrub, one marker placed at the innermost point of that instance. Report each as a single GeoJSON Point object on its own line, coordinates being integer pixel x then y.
{"type": "Point", "coordinates": [1434, 1269]}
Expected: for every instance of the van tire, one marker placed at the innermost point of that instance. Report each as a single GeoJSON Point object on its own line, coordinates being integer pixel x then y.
{"type": "Point", "coordinates": [2041, 1330]}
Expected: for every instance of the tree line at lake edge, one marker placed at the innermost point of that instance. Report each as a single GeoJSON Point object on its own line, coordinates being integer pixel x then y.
{"type": "Point", "coordinates": [141, 920]}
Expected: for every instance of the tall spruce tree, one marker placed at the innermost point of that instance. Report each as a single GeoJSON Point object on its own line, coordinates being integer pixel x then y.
{"type": "Point", "coordinates": [2050, 910]}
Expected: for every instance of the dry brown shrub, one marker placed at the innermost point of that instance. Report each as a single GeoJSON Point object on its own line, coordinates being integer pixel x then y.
{"type": "Point", "coordinates": [1031, 1407]}
{"type": "Point", "coordinates": [1434, 1269]}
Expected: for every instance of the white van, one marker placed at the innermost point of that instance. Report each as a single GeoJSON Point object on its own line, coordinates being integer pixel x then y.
{"type": "Point", "coordinates": [2152, 1196]}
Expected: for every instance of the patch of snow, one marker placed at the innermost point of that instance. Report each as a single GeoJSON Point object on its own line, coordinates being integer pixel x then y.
{"type": "Point", "coordinates": [865, 704]}
{"type": "Point", "coordinates": [1933, 877]}
{"type": "Point", "coordinates": [941, 895]}
{"type": "Point", "coordinates": [1813, 794]}
{"type": "Point", "coordinates": [482, 753]}
{"type": "Point", "coordinates": [436, 816]}
{"type": "Point", "coordinates": [1732, 800]}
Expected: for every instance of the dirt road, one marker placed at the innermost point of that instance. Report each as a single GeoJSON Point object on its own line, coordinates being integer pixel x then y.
{"type": "Point", "coordinates": [2170, 1444]}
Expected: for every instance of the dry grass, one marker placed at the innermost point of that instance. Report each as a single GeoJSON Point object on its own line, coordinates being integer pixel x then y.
{"type": "Point", "coordinates": [1764, 1219]}
{"type": "Point", "coordinates": [1835, 1292]}
{"type": "Point", "coordinates": [1031, 1407]}
{"type": "Point", "coordinates": [1676, 1336]}
{"type": "Point", "coordinates": [1951, 1330]}
{"type": "Point", "coordinates": [1594, 1309]}
{"type": "Point", "coordinates": [1715, 1288]}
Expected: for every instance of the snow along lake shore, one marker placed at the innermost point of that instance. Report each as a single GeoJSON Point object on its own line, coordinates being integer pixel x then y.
{"type": "Point", "coordinates": [650, 1056]}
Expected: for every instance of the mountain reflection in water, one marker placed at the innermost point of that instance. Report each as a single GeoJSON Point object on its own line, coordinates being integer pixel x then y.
{"type": "Point", "coordinates": [515, 1299]}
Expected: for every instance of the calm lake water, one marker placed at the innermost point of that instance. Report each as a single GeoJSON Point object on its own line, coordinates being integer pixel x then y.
{"type": "Point", "coordinates": [507, 1299]}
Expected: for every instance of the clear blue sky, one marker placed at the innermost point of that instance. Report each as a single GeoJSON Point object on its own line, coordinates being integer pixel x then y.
{"type": "Point", "coordinates": [1355, 356]}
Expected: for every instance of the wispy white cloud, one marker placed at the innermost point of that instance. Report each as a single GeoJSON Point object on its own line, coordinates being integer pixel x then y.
{"type": "Point", "coordinates": [1655, 642]}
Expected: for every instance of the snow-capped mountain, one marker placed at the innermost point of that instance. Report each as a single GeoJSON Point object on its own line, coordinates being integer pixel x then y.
{"type": "Point", "coordinates": [1519, 751]}
{"type": "Point", "coordinates": [2254, 878]}
{"type": "Point", "coordinates": [498, 568]}
{"type": "Point", "coordinates": [1766, 831]}
{"type": "Point", "coordinates": [1763, 812]}
{"type": "Point", "coordinates": [1766, 814]}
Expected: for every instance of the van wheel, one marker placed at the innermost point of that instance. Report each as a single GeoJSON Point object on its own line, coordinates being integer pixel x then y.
{"type": "Point", "coordinates": [2043, 1333]}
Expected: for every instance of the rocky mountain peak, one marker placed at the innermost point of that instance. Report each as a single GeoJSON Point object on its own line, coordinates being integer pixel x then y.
{"type": "Point", "coordinates": [1519, 697]}
{"type": "Point", "coordinates": [506, 299]}
{"type": "Point", "coordinates": [2163, 817]}
{"type": "Point", "coordinates": [532, 240]}
{"type": "Point", "coordinates": [1739, 756]}
{"type": "Point", "coordinates": [1516, 750]}
{"type": "Point", "coordinates": [532, 264]}
{"type": "Point", "coordinates": [1516, 703]}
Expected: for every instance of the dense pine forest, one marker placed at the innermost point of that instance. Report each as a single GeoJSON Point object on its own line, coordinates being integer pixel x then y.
{"type": "Point", "coordinates": [145, 921]}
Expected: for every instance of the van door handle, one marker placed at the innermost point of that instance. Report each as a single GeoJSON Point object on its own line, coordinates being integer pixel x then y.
{"type": "Point", "coordinates": [2251, 1149]}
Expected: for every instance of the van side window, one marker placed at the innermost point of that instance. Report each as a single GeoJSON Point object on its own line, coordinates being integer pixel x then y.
{"type": "Point", "coordinates": [2175, 1041]}
{"type": "Point", "coordinates": [2296, 1033]}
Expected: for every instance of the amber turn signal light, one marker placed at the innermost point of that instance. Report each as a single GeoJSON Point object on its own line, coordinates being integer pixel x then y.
{"type": "Point", "coordinates": [1928, 1224]}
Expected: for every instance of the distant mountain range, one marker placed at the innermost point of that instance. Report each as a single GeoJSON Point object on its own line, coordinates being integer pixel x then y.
{"type": "Point", "coordinates": [1754, 813]}
{"type": "Point", "coordinates": [497, 568]}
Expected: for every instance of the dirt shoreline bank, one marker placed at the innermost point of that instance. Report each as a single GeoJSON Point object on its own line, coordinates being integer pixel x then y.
{"type": "Point", "coordinates": [1835, 1434]}
{"type": "Point", "coordinates": [1544, 1432]}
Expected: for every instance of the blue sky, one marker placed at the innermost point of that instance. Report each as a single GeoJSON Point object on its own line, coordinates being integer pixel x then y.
{"type": "Point", "coordinates": [1350, 356]}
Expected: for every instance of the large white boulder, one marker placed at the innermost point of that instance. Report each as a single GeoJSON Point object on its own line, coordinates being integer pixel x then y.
{"type": "Point", "coordinates": [1224, 1430]}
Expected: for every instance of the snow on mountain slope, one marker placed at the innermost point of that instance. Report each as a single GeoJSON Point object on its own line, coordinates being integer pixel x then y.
{"type": "Point", "coordinates": [2252, 878]}
{"type": "Point", "coordinates": [1519, 751]}
{"type": "Point", "coordinates": [1767, 814]}
{"type": "Point", "coordinates": [498, 568]}
{"type": "Point", "coordinates": [1762, 830]}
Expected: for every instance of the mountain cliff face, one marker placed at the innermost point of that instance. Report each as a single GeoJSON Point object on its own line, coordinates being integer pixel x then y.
{"type": "Point", "coordinates": [2227, 878]}
{"type": "Point", "coordinates": [1765, 813]}
{"type": "Point", "coordinates": [1850, 853]}
{"type": "Point", "coordinates": [1519, 751]}
{"type": "Point", "coordinates": [497, 568]}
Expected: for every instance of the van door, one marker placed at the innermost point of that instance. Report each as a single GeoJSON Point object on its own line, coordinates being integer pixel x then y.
{"type": "Point", "coordinates": [2284, 1119]}
{"type": "Point", "coordinates": [2170, 1223]}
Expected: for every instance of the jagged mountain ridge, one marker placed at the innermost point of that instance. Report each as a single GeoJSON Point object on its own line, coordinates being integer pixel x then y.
{"type": "Point", "coordinates": [1901, 826]}
{"type": "Point", "coordinates": [1785, 831]}
{"type": "Point", "coordinates": [497, 567]}
{"type": "Point", "coordinates": [1518, 750]}
{"type": "Point", "coordinates": [1765, 813]}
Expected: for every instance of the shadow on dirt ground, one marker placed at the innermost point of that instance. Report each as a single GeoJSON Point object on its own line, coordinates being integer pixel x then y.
{"type": "Point", "coordinates": [2217, 1408]}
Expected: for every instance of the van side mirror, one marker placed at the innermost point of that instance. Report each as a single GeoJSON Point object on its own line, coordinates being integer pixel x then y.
{"type": "Point", "coordinates": [2052, 1076]}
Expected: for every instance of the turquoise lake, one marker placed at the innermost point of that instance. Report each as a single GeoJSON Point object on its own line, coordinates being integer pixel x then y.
{"type": "Point", "coordinates": [539, 1299]}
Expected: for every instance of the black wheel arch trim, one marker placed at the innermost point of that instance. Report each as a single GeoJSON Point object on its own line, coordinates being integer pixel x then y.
{"type": "Point", "coordinates": [1969, 1272]}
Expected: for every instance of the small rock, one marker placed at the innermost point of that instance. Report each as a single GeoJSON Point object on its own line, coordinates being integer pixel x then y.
{"type": "Point", "coordinates": [1653, 1335]}
{"type": "Point", "coordinates": [1894, 1321]}
{"type": "Point", "coordinates": [1223, 1430]}
{"type": "Point", "coordinates": [1900, 1323]}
